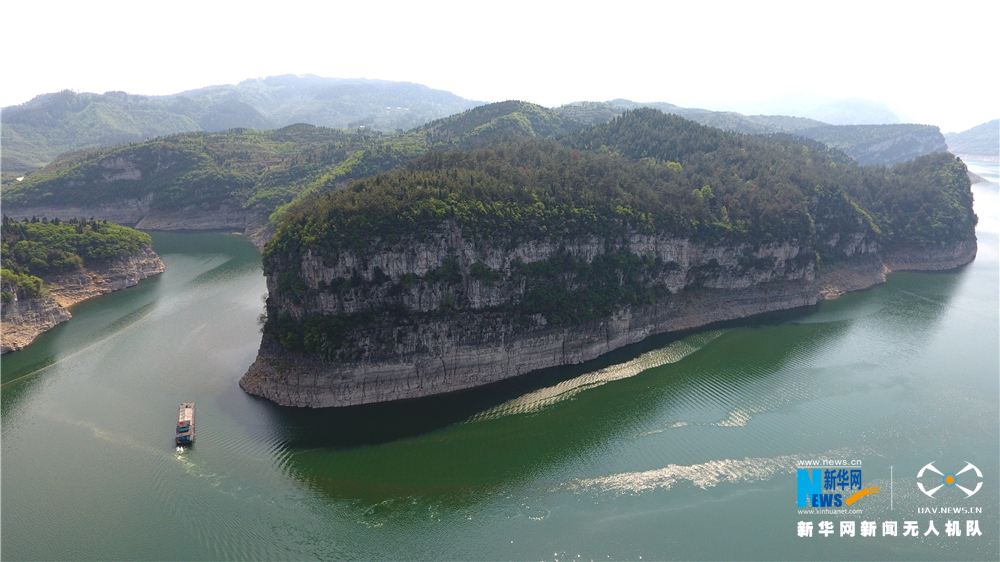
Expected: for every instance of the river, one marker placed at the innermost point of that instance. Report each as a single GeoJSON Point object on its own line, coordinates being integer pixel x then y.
{"type": "Point", "coordinates": [682, 447]}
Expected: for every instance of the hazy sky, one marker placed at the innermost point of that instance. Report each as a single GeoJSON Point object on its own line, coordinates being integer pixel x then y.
{"type": "Point", "coordinates": [936, 64]}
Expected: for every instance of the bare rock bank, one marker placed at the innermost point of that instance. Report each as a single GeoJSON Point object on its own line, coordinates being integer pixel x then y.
{"type": "Point", "coordinates": [138, 214]}
{"type": "Point", "coordinates": [25, 318]}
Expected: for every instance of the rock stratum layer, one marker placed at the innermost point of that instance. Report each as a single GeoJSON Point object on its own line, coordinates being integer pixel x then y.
{"type": "Point", "coordinates": [708, 284]}
{"type": "Point", "coordinates": [25, 318]}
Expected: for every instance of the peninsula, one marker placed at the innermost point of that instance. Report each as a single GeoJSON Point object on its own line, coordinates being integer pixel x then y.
{"type": "Point", "coordinates": [49, 266]}
{"type": "Point", "coordinates": [470, 266]}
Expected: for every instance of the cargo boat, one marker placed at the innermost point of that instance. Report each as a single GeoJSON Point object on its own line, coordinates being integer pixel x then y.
{"type": "Point", "coordinates": [185, 424]}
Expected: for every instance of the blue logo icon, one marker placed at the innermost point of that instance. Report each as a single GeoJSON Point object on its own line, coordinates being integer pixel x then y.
{"type": "Point", "coordinates": [827, 487]}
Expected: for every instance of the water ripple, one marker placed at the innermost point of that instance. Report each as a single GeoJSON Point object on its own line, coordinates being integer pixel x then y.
{"type": "Point", "coordinates": [539, 399]}
{"type": "Point", "coordinates": [703, 475]}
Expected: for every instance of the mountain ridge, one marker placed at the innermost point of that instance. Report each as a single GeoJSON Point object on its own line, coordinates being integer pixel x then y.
{"type": "Point", "coordinates": [981, 142]}
{"type": "Point", "coordinates": [247, 178]}
{"type": "Point", "coordinates": [36, 132]}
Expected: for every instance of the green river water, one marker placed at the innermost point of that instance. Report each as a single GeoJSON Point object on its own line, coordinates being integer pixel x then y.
{"type": "Point", "coordinates": [682, 447]}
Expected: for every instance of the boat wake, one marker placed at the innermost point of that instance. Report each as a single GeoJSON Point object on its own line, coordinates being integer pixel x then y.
{"type": "Point", "coordinates": [703, 475]}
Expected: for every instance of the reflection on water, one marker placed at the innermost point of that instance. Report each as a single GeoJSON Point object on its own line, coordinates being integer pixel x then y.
{"type": "Point", "coordinates": [374, 424]}
{"type": "Point", "coordinates": [720, 378]}
{"type": "Point", "coordinates": [655, 450]}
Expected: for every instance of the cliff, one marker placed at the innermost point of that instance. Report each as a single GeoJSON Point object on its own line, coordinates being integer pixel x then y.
{"type": "Point", "coordinates": [25, 318]}
{"type": "Point", "coordinates": [709, 284]}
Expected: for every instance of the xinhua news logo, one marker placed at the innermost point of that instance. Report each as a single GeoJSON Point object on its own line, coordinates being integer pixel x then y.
{"type": "Point", "coordinates": [831, 487]}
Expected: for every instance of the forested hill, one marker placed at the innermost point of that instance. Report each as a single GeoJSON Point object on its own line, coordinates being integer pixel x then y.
{"type": "Point", "coordinates": [659, 172]}
{"type": "Point", "coordinates": [262, 170]}
{"type": "Point", "coordinates": [981, 142]}
{"type": "Point", "coordinates": [487, 123]}
{"type": "Point", "coordinates": [559, 222]}
{"type": "Point", "coordinates": [593, 113]}
{"type": "Point", "coordinates": [925, 201]}
{"type": "Point", "coordinates": [35, 249]}
{"type": "Point", "coordinates": [867, 144]}
{"type": "Point", "coordinates": [36, 132]}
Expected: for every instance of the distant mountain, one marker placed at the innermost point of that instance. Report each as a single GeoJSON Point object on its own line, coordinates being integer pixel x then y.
{"type": "Point", "coordinates": [508, 118]}
{"type": "Point", "coordinates": [981, 142]}
{"type": "Point", "coordinates": [880, 144]}
{"type": "Point", "coordinates": [339, 102]}
{"type": "Point", "coordinates": [593, 113]}
{"type": "Point", "coordinates": [250, 175]}
{"type": "Point", "coordinates": [867, 144]}
{"type": "Point", "coordinates": [853, 111]}
{"type": "Point", "coordinates": [828, 109]}
{"type": "Point", "coordinates": [34, 133]}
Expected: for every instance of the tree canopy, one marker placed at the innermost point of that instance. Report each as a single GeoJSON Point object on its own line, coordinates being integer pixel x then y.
{"type": "Point", "coordinates": [34, 249]}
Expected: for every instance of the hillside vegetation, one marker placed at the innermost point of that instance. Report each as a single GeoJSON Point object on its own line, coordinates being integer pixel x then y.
{"type": "Point", "coordinates": [33, 249]}
{"type": "Point", "coordinates": [267, 171]}
{"type": "Point", "coordinates": [592, 113]}
{"type": "Point", "coordinates": [37, 132]}
{"type": "Point", "coordinates": [643, 173]}
{"type": "Point", "coordinates": [263, 170]}
{"type": "Point", "coordinates": [867, 144]}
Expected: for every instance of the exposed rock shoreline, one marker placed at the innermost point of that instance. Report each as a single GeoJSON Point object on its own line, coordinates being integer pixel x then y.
{"type": "Point", "coordinates": [25, 319]}
{"type": "Point", "coordinates": [138, 214]}
{"type": "Point", "coordinates": [459, 362]}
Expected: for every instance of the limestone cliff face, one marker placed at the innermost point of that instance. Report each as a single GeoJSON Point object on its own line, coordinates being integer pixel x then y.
{"type": "Point", "coordinates": [24, 319]}
{"type": "Point", "coordinates": [687, 263]}
{"type": "Point", "coordinates": [704, 283]}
